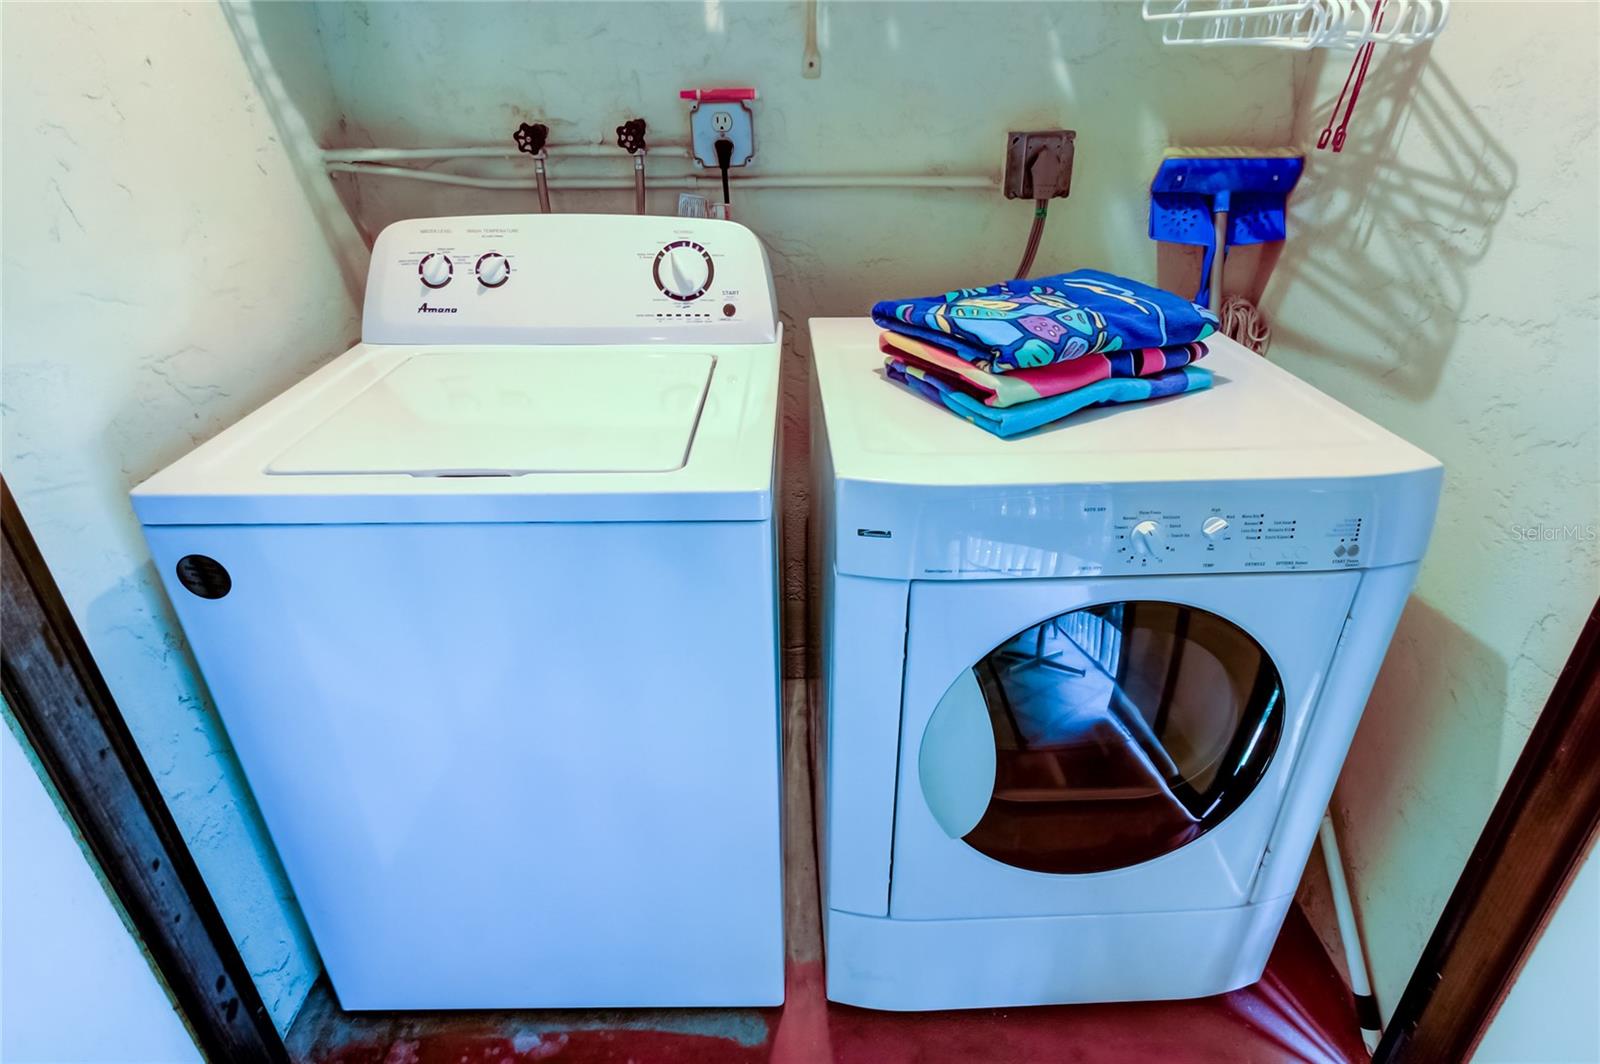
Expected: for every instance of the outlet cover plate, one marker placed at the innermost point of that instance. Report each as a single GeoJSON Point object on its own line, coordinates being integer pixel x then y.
{"type": "Point", "coordinates": [1022, 145]}
{"type": "Point", "coordinates": [733, 120]}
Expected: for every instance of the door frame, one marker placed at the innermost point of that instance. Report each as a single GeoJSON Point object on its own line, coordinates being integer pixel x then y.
{"type": "Point", "coordinates": [69, 718]}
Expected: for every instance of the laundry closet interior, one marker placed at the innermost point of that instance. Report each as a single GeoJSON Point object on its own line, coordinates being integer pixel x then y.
{"type": "Point", "coordinates": [825, 531]}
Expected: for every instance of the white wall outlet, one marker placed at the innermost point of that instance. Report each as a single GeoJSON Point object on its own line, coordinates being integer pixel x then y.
{"type": "Point", "coordinates": [732, 121]}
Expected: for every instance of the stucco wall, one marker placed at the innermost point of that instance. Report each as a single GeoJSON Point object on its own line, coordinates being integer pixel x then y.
{"type": "Point", "coordinates": [1537, 1023]}
{"type": "Point", "coordinates": [1443, 278]}
{"type": "Point", "coordinates": [162, 276]}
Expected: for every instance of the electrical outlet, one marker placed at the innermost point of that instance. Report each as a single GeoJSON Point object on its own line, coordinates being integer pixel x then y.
{"type": "Point", "coordinates": [1022, 147]}
{"type": "Point", "coordinates": [731, 121]}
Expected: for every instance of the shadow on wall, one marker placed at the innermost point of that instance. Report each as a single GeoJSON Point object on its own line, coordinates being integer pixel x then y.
{"type": "Point", "coordinates": [1385, 243]}
{"type": "Point", "coordinates": [1435, 669]}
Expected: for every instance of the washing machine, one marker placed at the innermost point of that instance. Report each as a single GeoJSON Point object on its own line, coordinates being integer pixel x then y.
{"type": "Point", "coordinates": [488, 607]}
{"type": "Point", "coordinates": [1085, 693]}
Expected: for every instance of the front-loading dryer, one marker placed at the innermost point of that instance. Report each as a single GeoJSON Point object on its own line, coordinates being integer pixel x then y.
{"type": "Point", "coordinates": [1085, 694]}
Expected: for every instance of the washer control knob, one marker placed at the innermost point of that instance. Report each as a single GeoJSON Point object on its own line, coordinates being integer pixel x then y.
{"type": "Point", "coordinates": [683, 271]}
{"type": "Point", "coordinates": [435, 270]}
{"type": "Point", "coordinates": [1147, 537]}
{"type": "Point", "coordinates": [1213, 527]}
{"type": "Point", "coordinates": [493, 270]}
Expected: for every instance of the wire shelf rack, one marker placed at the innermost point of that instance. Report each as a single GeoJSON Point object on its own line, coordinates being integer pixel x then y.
{"type": "Point", "coordinates": [1298, 24]}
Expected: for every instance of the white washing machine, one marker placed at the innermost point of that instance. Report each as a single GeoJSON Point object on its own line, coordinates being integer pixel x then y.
{"type": "Point", "coordinates": [1086, 693]}
{"type": "Point", "coordinates": [487, 605]}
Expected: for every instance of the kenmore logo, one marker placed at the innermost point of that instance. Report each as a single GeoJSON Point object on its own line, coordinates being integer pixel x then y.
{"type": "Point", "coordinates": [425, 309]}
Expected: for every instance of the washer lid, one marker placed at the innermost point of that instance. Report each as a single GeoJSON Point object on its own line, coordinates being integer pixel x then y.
{"type": "Point", "coordinates": [510, 412]}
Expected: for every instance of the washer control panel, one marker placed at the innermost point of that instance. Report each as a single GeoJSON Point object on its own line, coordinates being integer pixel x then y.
{"type": "Point", "coordinates": [569, 279]}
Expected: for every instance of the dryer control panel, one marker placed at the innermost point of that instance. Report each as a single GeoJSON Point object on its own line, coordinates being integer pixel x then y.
{"type": "Point", "coordinates": [1235, 538]}
{"type": "Point", "coordinates": [1129, 529]}
{"type": "Point", "coordinates": [569, 279]}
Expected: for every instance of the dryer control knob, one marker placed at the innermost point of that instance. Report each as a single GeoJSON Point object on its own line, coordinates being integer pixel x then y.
{"type": "Point", "coordinates": [1147, 537]}
{"type": "Point", "coordinates": [1214, 527]}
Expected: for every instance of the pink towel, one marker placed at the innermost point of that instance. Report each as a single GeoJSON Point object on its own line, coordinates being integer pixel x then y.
{"type": "Point", "coordinates": [1036, 382]}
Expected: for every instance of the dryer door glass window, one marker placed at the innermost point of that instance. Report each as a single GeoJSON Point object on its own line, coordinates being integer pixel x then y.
{"type": "Point", "coordinates": [1119, 733]}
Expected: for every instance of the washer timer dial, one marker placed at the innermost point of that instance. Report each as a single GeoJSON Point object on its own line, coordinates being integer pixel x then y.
{"type": "Point", "coordinates": [683, 271]}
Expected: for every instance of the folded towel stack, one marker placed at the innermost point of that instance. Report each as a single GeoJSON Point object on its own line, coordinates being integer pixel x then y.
{"type": "Point", "coordinates": [1015, 356]}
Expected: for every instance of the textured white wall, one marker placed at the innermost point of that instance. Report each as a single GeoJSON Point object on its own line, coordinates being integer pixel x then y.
{"type": "Point", "coordinates": [904, 88]}
{"type": "Point", "coordinates": [74, 985]}
{"type": "Point", "coordinates": [162, 275]}
{"type": "Point", "coordinates": [1443, 278]}
{"type": "Point", "coordinates": [1548, 1017]}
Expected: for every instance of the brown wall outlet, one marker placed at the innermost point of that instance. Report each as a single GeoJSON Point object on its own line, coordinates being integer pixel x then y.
{"type": "Point", "coordinates": [1022, 146]}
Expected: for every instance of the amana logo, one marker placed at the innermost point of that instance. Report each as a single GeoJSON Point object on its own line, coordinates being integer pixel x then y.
{"type": "Point", "coordinates": [425, 309]}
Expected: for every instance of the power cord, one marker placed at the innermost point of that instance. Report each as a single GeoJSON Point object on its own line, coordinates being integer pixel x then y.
{"type": "Point", "coordinates": [1044, 174]}
{"type": "Point", "coordinates": [724, 148]}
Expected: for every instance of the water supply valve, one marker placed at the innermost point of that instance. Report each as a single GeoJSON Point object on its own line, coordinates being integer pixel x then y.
{"type": "Point", "coordinates": [630, 136]}
{"type": "Point", "coordinates": [531, 138]}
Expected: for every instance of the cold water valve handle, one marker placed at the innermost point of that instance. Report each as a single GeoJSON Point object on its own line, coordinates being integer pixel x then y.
{"type": "Point", "coordinates": [630, 136]}
{"type": "Point", "coordinates": [530, 138]}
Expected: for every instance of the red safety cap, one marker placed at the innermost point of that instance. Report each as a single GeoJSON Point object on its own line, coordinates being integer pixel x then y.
{"type": "Point", "coordinates": [731, 95]}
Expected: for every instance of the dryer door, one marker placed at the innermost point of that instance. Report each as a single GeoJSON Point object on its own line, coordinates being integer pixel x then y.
{"type": "Point", "coordinates": [1102, 745]}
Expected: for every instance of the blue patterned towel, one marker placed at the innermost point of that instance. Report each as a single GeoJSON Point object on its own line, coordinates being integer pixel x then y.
{"type": "Point", "coordinates": [1037, 322]}
{"type": "Point", "coordinates": [1008, 421]}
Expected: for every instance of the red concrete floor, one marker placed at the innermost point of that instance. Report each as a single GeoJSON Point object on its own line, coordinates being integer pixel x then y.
{"type": "Point", "coordinates": [1300, 1011]}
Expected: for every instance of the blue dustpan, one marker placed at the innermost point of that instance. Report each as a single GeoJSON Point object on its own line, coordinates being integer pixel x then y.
{"type": "Point", "coordinates": [1241, 192]}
